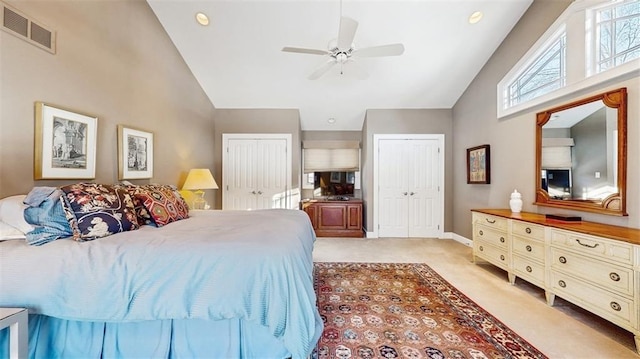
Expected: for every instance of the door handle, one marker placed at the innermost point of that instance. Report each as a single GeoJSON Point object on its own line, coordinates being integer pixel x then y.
{"type": "Point", "coordinates": [253, 192]}
{"type": "Point", "coordinates": [259, 192]}
{"type": "Point", "coordinates": [404, 193]}
{"type": "Point", "coordinates": [412, 193]}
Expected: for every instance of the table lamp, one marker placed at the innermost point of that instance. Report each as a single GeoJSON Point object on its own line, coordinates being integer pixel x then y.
{"type": "Point", "coordinates": [197, 180]}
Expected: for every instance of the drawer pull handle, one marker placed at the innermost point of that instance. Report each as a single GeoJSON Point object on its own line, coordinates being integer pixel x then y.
{"type": "Point", "coordinates": [562, 259]}
{"type": "Point", "coordinates": [615, 306]}
{"type": "Point", "coordinates": [614, 276]}
{"type": "Point", "coordinates": [528, 230]}
{"type": "Point", "coordinates": [587, 245]}
{"type": "Point", "coordinates": [502, 257]}
{"type": "Point", "coordinates": [501, 239]}
{"type": "Point", "coordinates": [528, 248]}
{"type": "Point", "coordinates": [529, 269]}
{"type": "Point", "coordinates": [562, 284]}
{"type": "Point", "coordinates": [480, 232]}
{"type": "Point", "coordinates": [490, 221]}
{"type": "Point", "coordinates": [481, 248]}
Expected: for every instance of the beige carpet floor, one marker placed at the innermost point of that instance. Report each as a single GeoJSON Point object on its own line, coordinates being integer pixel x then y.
{"type": "Point", "coordinates": [561, 331]}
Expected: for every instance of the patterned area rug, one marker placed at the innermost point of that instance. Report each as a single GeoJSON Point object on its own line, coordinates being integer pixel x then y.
{"type": "Point", "coordinates": [385, 310]}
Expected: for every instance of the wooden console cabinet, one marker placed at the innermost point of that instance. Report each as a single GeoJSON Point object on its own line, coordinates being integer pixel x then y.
{"type": "Point", "coordinates": [595, 266]}
{"type": "Point", "coordinates": [335, 218]}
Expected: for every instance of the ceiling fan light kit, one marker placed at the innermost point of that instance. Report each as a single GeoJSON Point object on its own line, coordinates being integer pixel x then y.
{"type": "Point", "coordinates": [342, 50]}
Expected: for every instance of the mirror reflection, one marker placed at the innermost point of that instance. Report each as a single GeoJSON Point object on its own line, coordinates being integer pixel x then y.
{"type": "Point", "coordinates": [581, 154]}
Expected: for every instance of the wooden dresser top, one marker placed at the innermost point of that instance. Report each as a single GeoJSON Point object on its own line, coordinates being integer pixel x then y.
{"type": "Point", "coordinates": [626, 234]}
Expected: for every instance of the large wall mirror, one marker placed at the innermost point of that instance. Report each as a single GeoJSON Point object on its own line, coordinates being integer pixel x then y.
{"type": "Point", "coordinates": [581, 154]}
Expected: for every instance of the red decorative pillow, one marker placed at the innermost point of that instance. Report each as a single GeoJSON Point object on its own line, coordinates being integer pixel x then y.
{"type": "Point", "coordinates": [164, 203]}
{"type": "Point", "coordinates": [144, 217]}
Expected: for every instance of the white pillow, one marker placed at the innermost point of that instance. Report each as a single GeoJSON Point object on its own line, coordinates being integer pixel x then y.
{"type": "Point", "coordinates": [12, 213]}
{"type": "Point", "coordinates": [7, 232]}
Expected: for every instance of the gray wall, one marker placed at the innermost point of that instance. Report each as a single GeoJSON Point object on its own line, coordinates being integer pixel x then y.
{"type": "Point", "coordinates": [590, 153]}
{"type": "Point", "coordinates": [512, 139]}
{"type": "Point", "coordinates": [257, 121]}
{"type": "Point", "coordinates": [402, 121]}
{"type": "Point", "coordinates": [113, 61]}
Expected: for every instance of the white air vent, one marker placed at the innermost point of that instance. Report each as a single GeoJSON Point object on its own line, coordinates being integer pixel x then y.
{"type": "Point", "coordinates": [18, 24]}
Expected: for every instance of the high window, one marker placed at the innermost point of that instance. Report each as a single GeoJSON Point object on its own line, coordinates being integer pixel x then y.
{"type": "Point", "coordinates": [545, 74]}
{"type": "Point", "coordinates": [592, 42]}
{"type": "Point", "coordinates": [617, 30]}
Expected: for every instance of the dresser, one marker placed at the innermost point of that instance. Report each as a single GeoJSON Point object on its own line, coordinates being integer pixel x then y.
{"type": "Point", "coordinates": [335, 218]}
{"type": "Point", "coordinates": [592, 265]}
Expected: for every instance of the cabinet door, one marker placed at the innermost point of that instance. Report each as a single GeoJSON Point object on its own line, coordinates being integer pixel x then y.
{"type": "Point", "coordinates": [312, 212]}
{"type": "Point", "coordinates": [332, 216]}
{"type": "Point", "coordinates": [354, 216]}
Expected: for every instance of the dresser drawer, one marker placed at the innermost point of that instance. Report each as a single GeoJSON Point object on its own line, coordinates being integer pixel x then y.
{"type": "Point", "coordinates": [614, 308]}
{"type": "Point", "coordinates": [528, 248]}
{"type": "Point", "coordinates": [495, 222]}
{"type": "Point", "coordinates": [606, 275]}
{"type": "Point", "coordinates": [529, 270]}
{"type": "Point", "coordinates": [528, 230]}
{"type": "Point", "coordinates": [490, 235]}
{"type": "Point", "coordinates": [619, 252]}
{"type": "Point", "coordinates": [494, 255]}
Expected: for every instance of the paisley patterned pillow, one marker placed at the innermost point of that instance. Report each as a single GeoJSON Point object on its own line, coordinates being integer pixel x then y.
{"type": "Point", "coordinates": [97, 210]}
{"type": "Point", "coordinates": [142, 214]}
{"type": "Point", "coordinates": [164, 203]}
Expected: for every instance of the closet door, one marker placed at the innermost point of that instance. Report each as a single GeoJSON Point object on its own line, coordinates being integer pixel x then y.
{"type": "Point", "coordinates": [423, 187]}
{"type": "Point", "coordinates": [256, 171]}
{"type": "Point", "coordinates": [408, 180]}
{"type": "Point", "coordinates": [240, 175]}
{"type": "Point", "coordinates": [271, 174]}
{"type": "Point", "coordinates": [392, 189]}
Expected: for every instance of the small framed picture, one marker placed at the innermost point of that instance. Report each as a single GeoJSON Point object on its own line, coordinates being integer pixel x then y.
{"type": "Point", "coordinates": [478, 165]}
{"type": "Point", "coordinates": [65, 143]}
{"type": "Point", "coordinates": [351, 177]}
{"type": "Point", "coordinates": [135, 153]}
{"type": "Point", "coordinates": [335, 177]}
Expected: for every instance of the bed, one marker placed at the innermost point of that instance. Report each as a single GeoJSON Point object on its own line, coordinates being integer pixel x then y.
{"type": "Point", "coordinates": [219, 284]}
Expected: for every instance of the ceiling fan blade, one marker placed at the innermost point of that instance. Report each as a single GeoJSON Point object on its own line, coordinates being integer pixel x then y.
{"type": "Point", "coordinates": [377, 51]}
{"type": "Point", "coordinates": [301, 50]}
{"type": "Point", "coordinates": [322, 69]}
{"type": "Point", "coordinates": [347, 32]}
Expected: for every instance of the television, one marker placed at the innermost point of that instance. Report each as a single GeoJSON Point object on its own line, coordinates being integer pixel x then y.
{"type": "Point", "coordinates": [334, 183]}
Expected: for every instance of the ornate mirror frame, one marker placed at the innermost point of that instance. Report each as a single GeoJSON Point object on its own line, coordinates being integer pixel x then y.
{"type": "Point", "coordinates": [614, 204]}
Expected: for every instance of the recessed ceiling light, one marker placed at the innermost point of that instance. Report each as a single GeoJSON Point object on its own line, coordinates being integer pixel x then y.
{"type": "Point", "coordinates": [202, 19]}
{"type": "Point", "coordinates": [475, 17]}
{"type": "Point", "coordinates": [331, 120]}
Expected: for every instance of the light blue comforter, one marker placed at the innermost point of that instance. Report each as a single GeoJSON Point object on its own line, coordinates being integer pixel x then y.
{"type": "Point", "coordinates": [254, 265]}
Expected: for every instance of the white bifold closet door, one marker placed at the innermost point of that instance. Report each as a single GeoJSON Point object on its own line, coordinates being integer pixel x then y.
{"type": "Point", "coordinates": [408, 180]}
{"type": "Point", "coordinates": [256, 171]}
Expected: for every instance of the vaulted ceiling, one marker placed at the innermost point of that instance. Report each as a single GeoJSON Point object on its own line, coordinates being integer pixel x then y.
{"type": "Point", "coordinates": [238, 61]}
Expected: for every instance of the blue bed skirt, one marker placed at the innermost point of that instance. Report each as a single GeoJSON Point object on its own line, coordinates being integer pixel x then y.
{"type": "Point", "coordinates": [189, 338]}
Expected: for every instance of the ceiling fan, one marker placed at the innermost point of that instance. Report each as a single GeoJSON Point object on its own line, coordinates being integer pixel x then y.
{"type": "Point", "coordinates": [342, 51]}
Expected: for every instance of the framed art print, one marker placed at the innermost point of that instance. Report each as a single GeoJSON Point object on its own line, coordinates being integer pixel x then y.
{"type": "Point", "coordinates": [135, 153]}
{"type": "Point", "coordinates": [65, 143]}
{"type": "Point", "coordinates": [478, 165]}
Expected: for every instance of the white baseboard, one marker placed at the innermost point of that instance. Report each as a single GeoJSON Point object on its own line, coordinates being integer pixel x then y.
{"type": "Point", "coordinates": [458, 238]}
{"type": "Point", "coordinates": [446, 235]}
